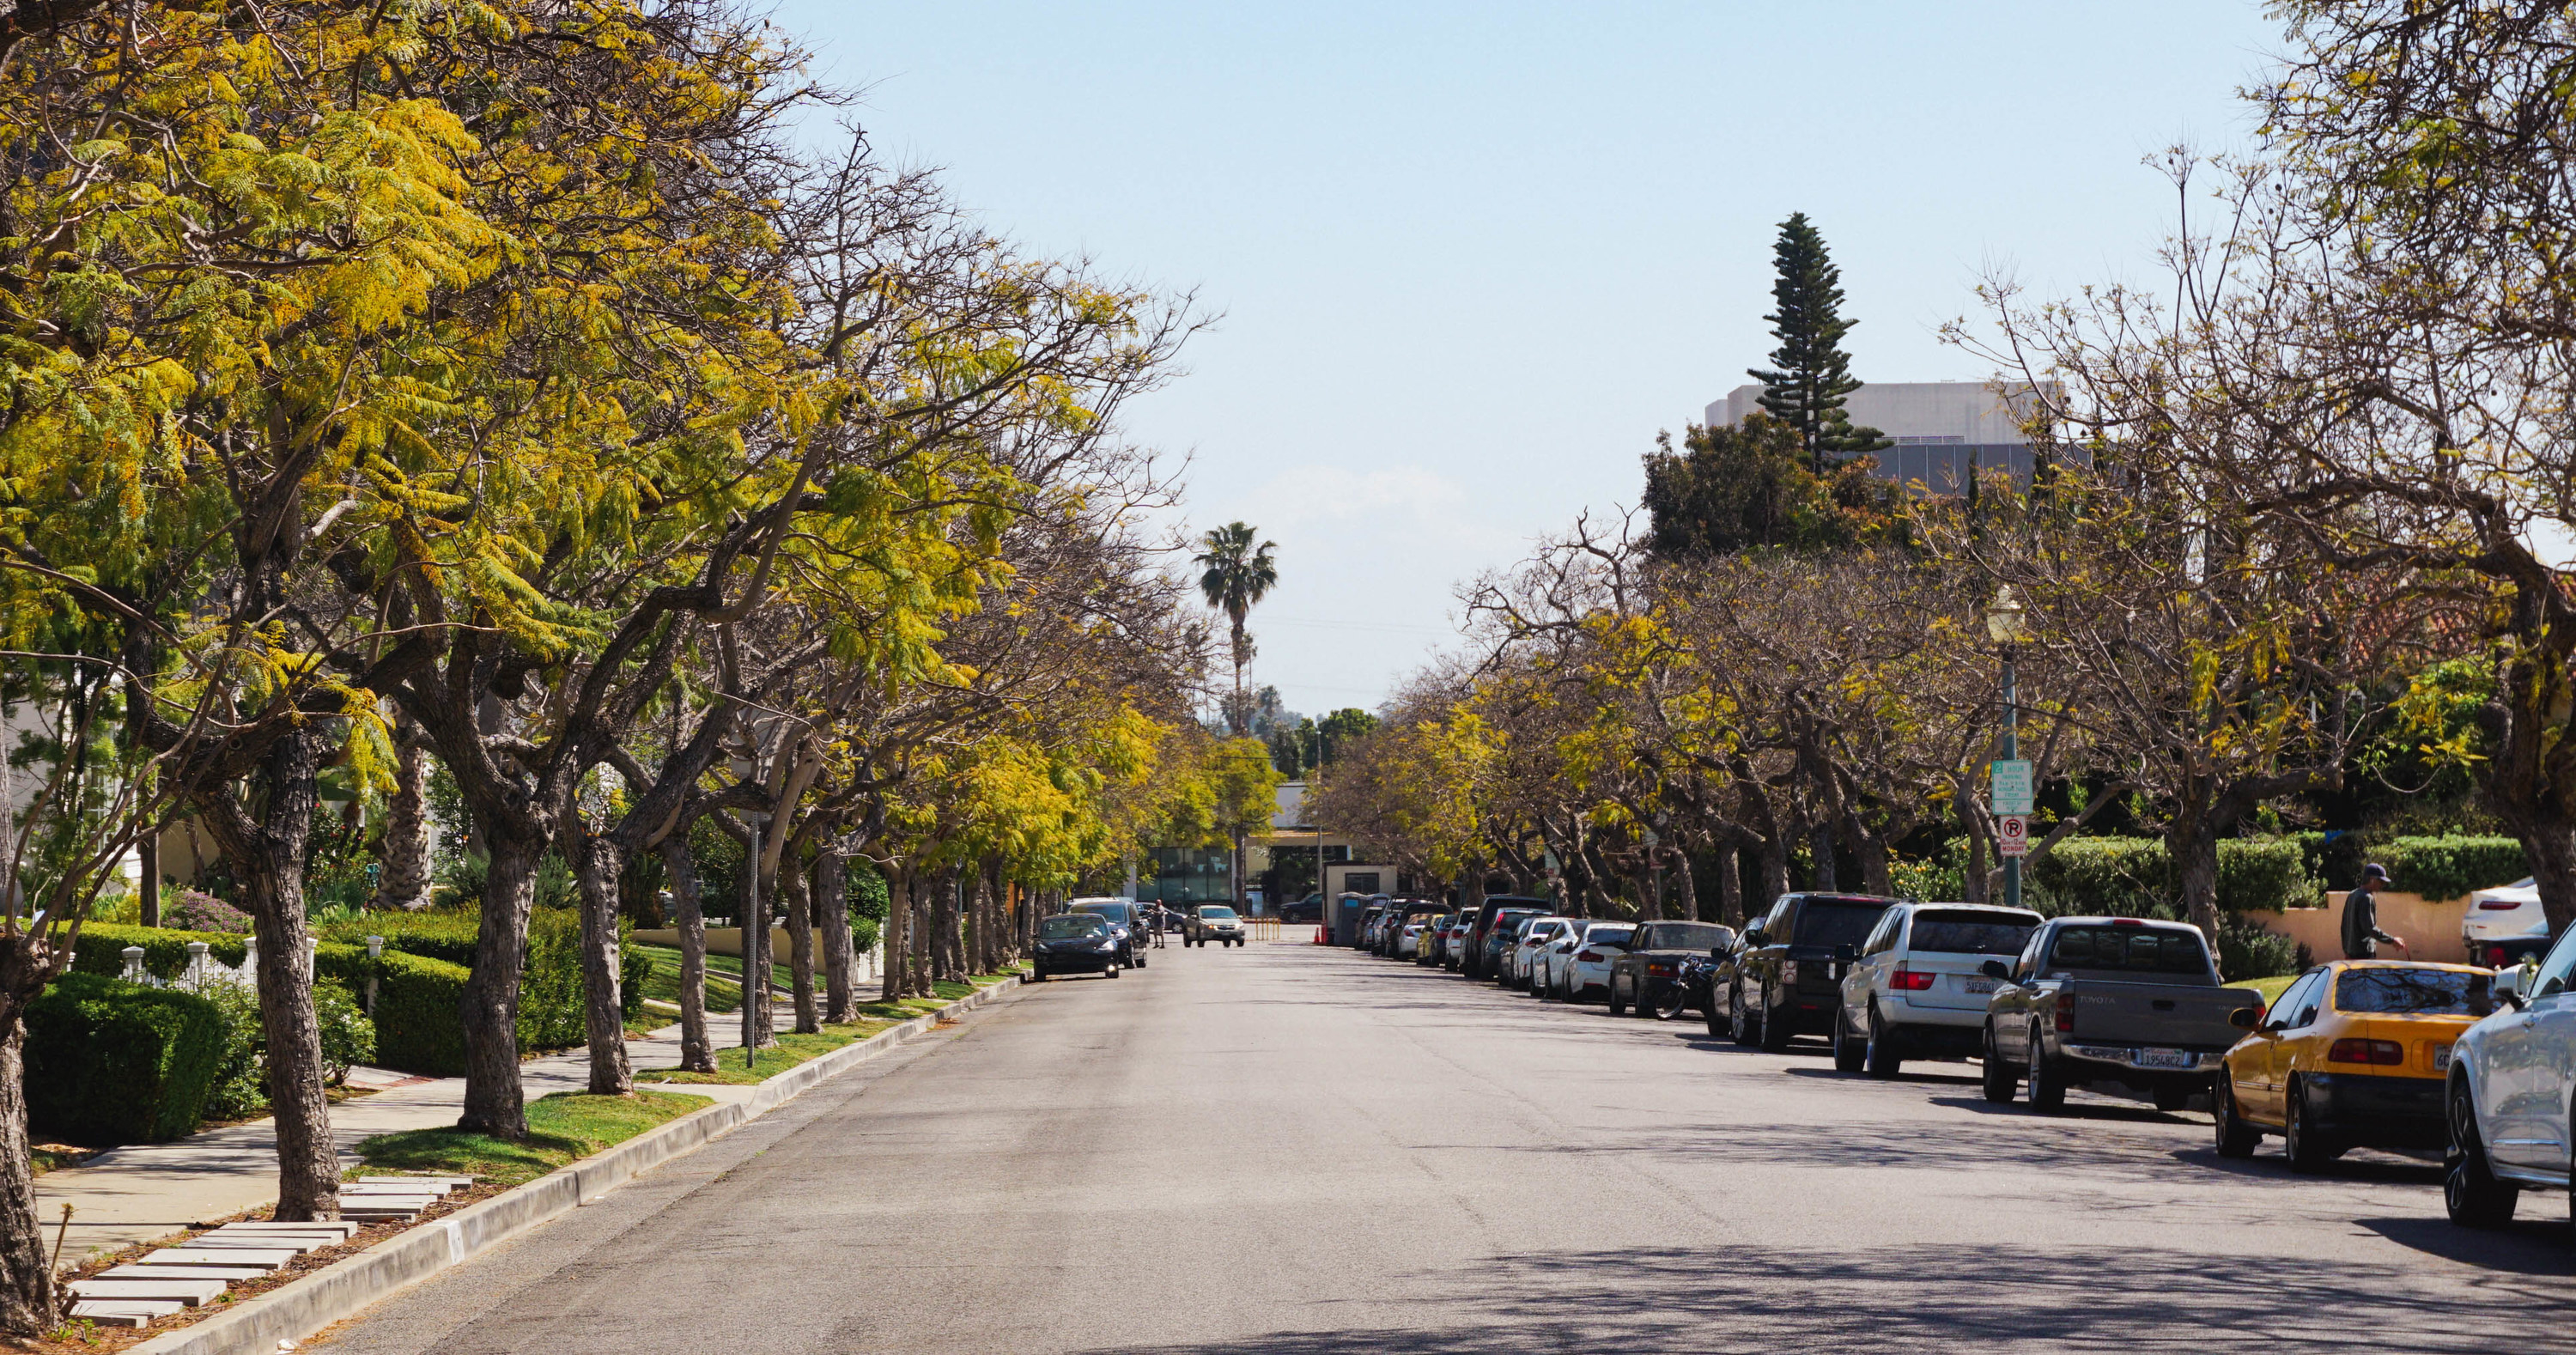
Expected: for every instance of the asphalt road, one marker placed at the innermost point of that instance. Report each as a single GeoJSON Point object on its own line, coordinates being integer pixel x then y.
{"type": "Point", "coordinates": [1287, 1150]}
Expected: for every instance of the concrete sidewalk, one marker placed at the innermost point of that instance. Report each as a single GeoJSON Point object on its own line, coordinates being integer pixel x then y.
{"type": "Point", "coordinates": [150, 1190]}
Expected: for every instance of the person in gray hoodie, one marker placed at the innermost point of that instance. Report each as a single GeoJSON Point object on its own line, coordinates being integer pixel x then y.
{"type": "Point", "coordinates": [2361, 933]}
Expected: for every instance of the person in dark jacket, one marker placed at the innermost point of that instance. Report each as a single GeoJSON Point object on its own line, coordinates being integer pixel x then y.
{"type": "Point", "coordinates": [2361, 933]}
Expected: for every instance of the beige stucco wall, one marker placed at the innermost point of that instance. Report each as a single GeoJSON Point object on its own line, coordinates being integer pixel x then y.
{"type": "Point", "coordinates": [2430, 927]}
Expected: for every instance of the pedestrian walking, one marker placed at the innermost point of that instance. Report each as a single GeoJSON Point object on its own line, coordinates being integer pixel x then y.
{"type": "Point", "coordinates": [2361, 933]}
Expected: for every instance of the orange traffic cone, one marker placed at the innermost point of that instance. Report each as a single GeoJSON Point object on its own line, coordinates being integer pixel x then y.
{"type": "Point", "coordinates": [1319, 936]}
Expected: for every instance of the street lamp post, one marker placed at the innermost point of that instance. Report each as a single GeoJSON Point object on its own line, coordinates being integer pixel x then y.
{"type": "Point", "coordinates": [2006, 625]}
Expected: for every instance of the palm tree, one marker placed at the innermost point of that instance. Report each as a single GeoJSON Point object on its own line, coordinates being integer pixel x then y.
{"type": "Point", "coordinates": [1235, 574]}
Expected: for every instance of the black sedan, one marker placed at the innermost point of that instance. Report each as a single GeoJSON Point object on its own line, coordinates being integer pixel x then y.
{"type": "Point", "coordinates": [1076, 943]}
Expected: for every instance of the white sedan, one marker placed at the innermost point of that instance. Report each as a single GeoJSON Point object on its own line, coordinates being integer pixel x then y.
{"type": "Point", "coordinates": [1518, 971]}
{"type": "Point", "coordinates": [2503, 924]}
{"type": "Point", "coordinates": [1587, 966]}
{"type": "Point", "coordinates": [1408, 942]}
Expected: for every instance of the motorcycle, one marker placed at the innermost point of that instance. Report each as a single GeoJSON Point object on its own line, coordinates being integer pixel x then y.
{"type": "Point", "coordinates": [1691, 987]}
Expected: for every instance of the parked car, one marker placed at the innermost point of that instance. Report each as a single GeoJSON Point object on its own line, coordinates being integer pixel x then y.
{"type": "Point", "coordinates": [1309, 910]}
{"type": "Point", "coordinates": [1365, 934]}
{"type": "Point", "coordinates": [1212, 923]}
{"type": "Point", "coordinates": [1453, 940]}
{"type": "Point", "coordinates": [2506, 1102]}
{"type": "Point", "coordinates": [1074, 943]}
{"type": "Point", "coordinates": [1548, 965]}
{"type": "Point", "coordinates": [2504, 924]}
{"type": "Point", "coordinates": [1587, 965]}
{"type": "Point", "coordinates": [1534, 936]}
{"type": "Point", "coordinates": [2352, 1055]}
{"type": "Point", "coordinates": [1401, 914]}
{"type": "Point", "coordinates": [1645, 972]}
{"type": "Point", "coordinates": [1784, 978]}
{"type": "Point", "coordinates": [2111, 999]}
{"type": "Point", "coordinates": [1127, 921]}
{"type": "Point", "coordinates": [1408, 939]}
{"type": "Point", "coordinates": [1918, 988]}
{"type": "Point", "coordinates": [1487, 948]}
{"type": "Point", "coordinates": [1476, 959]}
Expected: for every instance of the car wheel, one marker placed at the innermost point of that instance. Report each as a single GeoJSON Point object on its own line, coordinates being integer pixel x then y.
{"type": "Point", "coordinates": [1778, 1027]}
{"type": "Point", "coordinates": [1618, 1007]}
{"type": "Point", "coordinates": [1882, 1057]}
{"type": "Point", "coordinates": [1037, 976]}
{"type": "Point", "coordinates": [1995, 1077]}
{"type": "Point", "coordinates": [2471, 1194]}
{"type": "Point", "coordinates": [1111, 971]}
{"type": "Point", "coordinates": [2047, 1080]}
{"type": "Point", "coordinates": [2308, 1147]}
{"type": "Point", "coordinates": [1740, 1021]}
{"type": "Point", "coordinates": [1848, 1054]}
{"type": "Point", "coordinates": [2235, 1137]}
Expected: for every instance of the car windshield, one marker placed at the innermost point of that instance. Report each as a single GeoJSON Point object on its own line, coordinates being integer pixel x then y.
{"type": "Point", "coordinates": [1828, 923]}
{"type": "Point", "coordinates": [1969, 933]}
{"type": "Point", "coordinates": [1115, 912]}
{"type": "Point", "coordinates": [2413, 992]}
{"type": "Point", "coordinates": [1689, 936]}
{"type": "Point", "coordinates": [1614, 938]}
{"type": "Point", "coordinates": [1068, 927]}
{"type": "Point", "coordinates": [2138, 950]}
{"type": "Point", "coordinates": [1216, 914]}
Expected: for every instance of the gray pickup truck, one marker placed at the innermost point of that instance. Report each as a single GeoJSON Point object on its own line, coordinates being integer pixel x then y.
{"type": "Point", "coordinates": [2111, 999]}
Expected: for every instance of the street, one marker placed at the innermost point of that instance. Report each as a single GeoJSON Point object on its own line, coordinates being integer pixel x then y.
{"type": "Point", "coordinates": [1283, 1148]}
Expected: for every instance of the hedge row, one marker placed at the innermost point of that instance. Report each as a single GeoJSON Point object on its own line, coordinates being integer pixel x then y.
{"type": "Point", "coordinates": [115, 1062]}
{"type": "Point", "coordinates": [2134, 876]}
{"type": "Point", "coordinates": [2446, 866]}
{"type": "Point", "coordinates": [445, 936]}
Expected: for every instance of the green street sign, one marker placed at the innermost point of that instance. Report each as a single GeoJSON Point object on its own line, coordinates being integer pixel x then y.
{"type": "Point", "coordinates": [2012, 793]}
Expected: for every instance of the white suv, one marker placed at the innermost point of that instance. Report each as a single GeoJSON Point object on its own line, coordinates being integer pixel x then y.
{"type": "Point", "coordinates": [1915, 990]}
{"type": "Point", "coordinates": [2507, 1102]}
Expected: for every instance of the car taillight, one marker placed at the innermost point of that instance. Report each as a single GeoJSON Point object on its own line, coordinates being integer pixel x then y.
{"type": "Point", "coordinates": [2366, 1051]}
{"type": "Point", "coordinates": [1591, 957]}
{"type": "Point", "coordinates": [2126, 922]}
{"type": "Point", "coordinates": [1659, 969]}
{"type": "Point", "coordinates": [1906, 980]}
{"type": "Point", "coordinates": [2066, 1011]}
{"type": "Point", "coordinates": [2497, 905]}
{"type": "Point", "coordinates": [2495, 957]}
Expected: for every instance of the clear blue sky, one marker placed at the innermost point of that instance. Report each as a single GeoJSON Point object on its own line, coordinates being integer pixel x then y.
{"type": "Point", "coordinates": [1471, 257]}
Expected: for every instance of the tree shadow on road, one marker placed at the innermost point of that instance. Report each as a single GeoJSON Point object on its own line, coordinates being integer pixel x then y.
{"type": "Point", "coordinates": [1998, 1297]}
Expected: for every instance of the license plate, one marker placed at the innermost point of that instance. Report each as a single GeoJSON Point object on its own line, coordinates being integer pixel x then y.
{"type": "Point", "coordinates": [1980, 985]}
{"type": "Point", "coordinates": [2441, 1058]}
{"type": "Point", "coordinates": [2167, 1058]}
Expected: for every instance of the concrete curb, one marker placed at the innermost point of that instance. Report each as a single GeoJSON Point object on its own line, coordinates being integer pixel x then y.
{"type": "Point", "coordinates": [293, 1311]}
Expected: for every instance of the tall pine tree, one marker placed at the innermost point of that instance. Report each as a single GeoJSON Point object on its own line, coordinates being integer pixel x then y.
{"type": "Point", "coordinates": [1814, 374]}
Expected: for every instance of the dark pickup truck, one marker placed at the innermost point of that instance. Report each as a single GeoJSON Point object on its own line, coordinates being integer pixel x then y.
{"type": "Point", "coordinates": [1785, 976]}
{"type": "Point", "coordinates": [2111, 999]}
{"type": "Point", "coordinates": [1653, 962]}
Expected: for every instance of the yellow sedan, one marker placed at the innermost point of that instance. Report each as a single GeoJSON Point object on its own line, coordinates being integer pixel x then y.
{"type": "Point", "coordinates": [2351, 1055]}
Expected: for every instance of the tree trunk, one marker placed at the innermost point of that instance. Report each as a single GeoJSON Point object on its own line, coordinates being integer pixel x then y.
{"type": "Point", "coordinates": [1730, 884]}
{"type": "Point", "coordinates": [268, 859]}
{"type": "Point", "coordinates": [405, 882]}
{"type": "Point", "coordinates": [1821, 874]}
{"type": "Point", "coordinates": [831, 908]}
{"type": "Point", "coordinates": [1872, 851]}
{"type": "Point", "coordinates": [26, 1278]}
{"type": "Point", "coordinates": [896, 936]}
{"type": "Point", "coordinates": [1686, 902]}
{"type": "Point", "coordinates": [923, 933]}
{"type": "Point", "coordinates": [493, 1101]}
{"type": "Point", "coordinates": [1650, 888]}
{"type": "Point", "coordinates": [697, 1052]}
{"type": "Point", "coordinates": [1973, 870]}
{"type": "Point", "coordinates": [951, 955]}
{"type": "Point", "coordinates": [800, 943]}
{"type": "Point", "coordinates": [2193, 845]}
{"type": "Point", "coordinates": [148, 858]}
{"type": "Point", "coordinates": [1775, 873]}
{"type": "Point", "coordinates": [1234, 869]}
{"type": "Point", "coordinates": [603, 1007]}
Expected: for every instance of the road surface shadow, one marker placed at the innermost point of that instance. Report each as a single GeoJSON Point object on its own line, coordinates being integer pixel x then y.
{"type": "Point", "coordinates": [1948, 1298]}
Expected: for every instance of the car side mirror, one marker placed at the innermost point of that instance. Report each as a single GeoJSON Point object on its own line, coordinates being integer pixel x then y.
{"type": "Point", "coordinates": [1717, 952]}
{"type": "Point", "coordinates": [1994, 969]}
{"type": "Point", "coordinates": [1753, 936]}
{"type": "Point", "coordinates": [2245, 1018]}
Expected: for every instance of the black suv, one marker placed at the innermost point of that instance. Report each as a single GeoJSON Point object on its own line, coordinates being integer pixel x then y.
{"type": "Point", "coordinates": [1785, 977]}
{"type": "Point", "coordinates": [1127, 923]}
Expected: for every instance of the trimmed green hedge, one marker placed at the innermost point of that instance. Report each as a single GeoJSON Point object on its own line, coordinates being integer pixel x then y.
{"type": "Point", "coordinates": [420, 1022]}
{"type": "Point", "coordinates": [445, 936]}
{"type": "Point", "coordinates": [2134, 876]}
{"type": "Point", "coordinates": [116, 1062]}
{"type": "Point", "coordinates": [2451, 866]}
{"type": "Point", "coordinates": [101, 949]}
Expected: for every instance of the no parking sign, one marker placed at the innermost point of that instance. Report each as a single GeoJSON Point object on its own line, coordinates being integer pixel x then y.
{"type": "Point", "coordinates": [2012, 835]}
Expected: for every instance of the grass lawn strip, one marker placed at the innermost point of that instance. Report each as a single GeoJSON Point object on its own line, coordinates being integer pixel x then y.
{"type": "Point", "coordinates": [663, 984]}
{"type": "Point", "coordinates": [2270, 988]}
{"type": "Point", "coordinates": [793, 1049]}
{"type": "Point", "coordinates": [562, 1129]}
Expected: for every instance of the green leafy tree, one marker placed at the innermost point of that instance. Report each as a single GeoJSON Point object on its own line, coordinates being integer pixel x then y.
{"type": "Point", "coordinates": [1740, 488]}
{"type": "Point", "coordinates": [1234, 575]}
{"type": "Point", "coordinates": [1812, 374]}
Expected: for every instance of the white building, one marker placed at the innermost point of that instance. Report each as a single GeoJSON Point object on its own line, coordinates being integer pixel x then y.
{"type": "Point", "coordinates": [1940, 428]}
